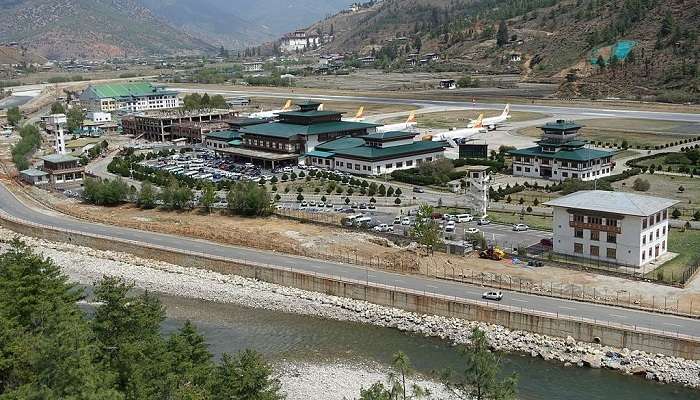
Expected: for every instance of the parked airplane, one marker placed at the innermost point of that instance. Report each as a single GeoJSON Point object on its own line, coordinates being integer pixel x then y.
{"type": "Point", "coordinates": [271, 113]}
{"type": "Point", "coordinates": [409, 125]}
{"type": "Point", "coordinates": [359, 116]}
{"type": "Point", "coordinates": [458, 134]}
{"type": "Point", "coordinates": [491, 123]}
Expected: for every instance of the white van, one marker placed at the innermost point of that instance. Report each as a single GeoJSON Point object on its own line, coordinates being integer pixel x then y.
{"type": "Point", "coordinates": [464, 218]}
{"type": "Point", "coordinates": [362, 221]}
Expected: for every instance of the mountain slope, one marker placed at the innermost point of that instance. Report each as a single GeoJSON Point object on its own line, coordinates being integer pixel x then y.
{"type": "Point", "coordinates": [91, 29]}
{"type": "Point", "coordinates": [552, 37]}
{"type": "Point", "coordinates": [237, 24]}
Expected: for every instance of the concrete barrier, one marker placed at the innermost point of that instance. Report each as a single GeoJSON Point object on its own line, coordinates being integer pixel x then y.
{"type": "Point", "coordinates": [514, 318]}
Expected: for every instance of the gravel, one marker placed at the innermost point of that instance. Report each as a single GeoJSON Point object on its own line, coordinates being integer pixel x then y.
{"type": "Point", "coordinates": [85, 266]}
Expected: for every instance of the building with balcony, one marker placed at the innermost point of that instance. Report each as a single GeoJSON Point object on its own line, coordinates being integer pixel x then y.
{"type": "Point", "coordinates": [616, 227]}
{"type": "Point", "coordinates": [63, 169]}
{"type": "Point", "coordinates": [561, 155]}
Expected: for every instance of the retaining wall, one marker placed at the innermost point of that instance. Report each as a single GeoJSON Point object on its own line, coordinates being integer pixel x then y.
{"type": "Point", "coordinates": [511, 317]}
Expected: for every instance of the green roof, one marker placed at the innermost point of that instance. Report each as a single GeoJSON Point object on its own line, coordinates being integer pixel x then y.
{"type": "Point", "coordinates": [560, 125]}
{"type": "Point", "coordinates": [58, 158]}
{"type": "Point", "coordinates": [378, 153]}
{"type": "Point", "coordinates": [223, 135]}
{"type": "Point", "coordinates": [571, 155]}
{"type": "Point", "coordinates": [314, 113]}
{"type": "Point", "coordinates": [390, 135]}
{"type": "Point", "coordinates": [322, 154]}
{"type": "Point", "coordinates": [33, 172]}
{"type": "Point", "coordinates": [342, 143]}
{"type": "Point", "coordinates": [285, 130]}
{"type": "Point", "coordinates": [117, 90]}
{"type": "Point", "coordinates": [235, 142]}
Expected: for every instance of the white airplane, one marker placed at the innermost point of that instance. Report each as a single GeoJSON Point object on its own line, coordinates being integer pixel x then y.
{"type": "Point", "coordinates": [491, 123]}
{"type": "Point", "coordinates": [409, 125]}
{"type": "Point", "coordinates": [359, 116]}
{"type": "Point", "coordinates": [271, 113]}
{"type": "Point", "coordinates": [456, 134]}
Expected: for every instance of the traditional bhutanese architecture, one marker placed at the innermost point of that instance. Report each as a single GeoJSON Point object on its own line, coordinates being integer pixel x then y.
{"type": "Point", "coordinates": [616, 227]}
{"type": "Point", "coordinates": [131, 97]}
{"type": "Point", "coordinates": [561, 155]}
{"type": "Point", "coordinates": [375, 153]}
{"type": "Point", "coordinates": [299, 40]}
{"type": "Point", "coordinates": [63, 169]}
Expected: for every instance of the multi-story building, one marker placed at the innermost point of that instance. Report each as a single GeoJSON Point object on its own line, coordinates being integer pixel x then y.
{"type": "Point", "coordinates": [299, 40]}
{"type": "Point", "coordinates": [617, 227]}
{"type": "Point", "coordinates": [561, 155]}
{"type": "Point", "coordinates": [159, 126]}
{"type": "Point", "coordinates": [63, 169]}
{"type": "Point", "coordinates": [375, 153]}
{"type": "Point", "coordinates": [131, 97]}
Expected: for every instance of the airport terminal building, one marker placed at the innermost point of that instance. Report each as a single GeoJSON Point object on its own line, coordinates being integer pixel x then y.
{"type": "Point", "coordinates": [561, 155]}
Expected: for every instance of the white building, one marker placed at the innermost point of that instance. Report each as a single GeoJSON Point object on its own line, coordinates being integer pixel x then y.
{"type": "Point", "coordinates": [299, 40]}
{"type": "Point", "coordinates": [375, 153]}
{"type": "Point", "coordinates": [130, 97]}
{"type": "Point", "coordinates": [617, 227]}
{"type": "Point", "coordinates": [561, 155]}
{"type": "Point", "coordinates": [255, 66]}
{"type": "Point", "coordinates": [99, 116]}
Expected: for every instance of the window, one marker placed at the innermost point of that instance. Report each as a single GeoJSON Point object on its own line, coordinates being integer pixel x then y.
{"type": "Point", "coordinates": [612, 238]}
{"type": "Point", "coordinates": [578, 248]}
{"type": "Point", "coordinates": [527, 169]}
{"type": "Point", "coordinates": [389, 165]}
{"type": "Point", "coordinates": [644, 239]}
{"type": "Point", "coordinates": [610, 222]}
{"type": "Point", "coordinates": [357, 167]}
{"type": "Point", "coordinates": [663, 230]}
{"type": "Point", "coordinates": [651, 220]}
{"type": "Point", "coordinates": [578, 233]}
{"type": "Point", "coordinates": [399, 164]}
{"type": "Point", "coordinates": [350, 165]}
{"type": "Point", "coordinates": [595, 220]}
{"type": "Point", "coordinates": [644, 223]}
{"type": "Point", "coordinates": [612, 253]}
{"type": "Point", "coordinates": [595, 235]}
{"type": "Point", "coordinates": [644, 255]}
{"type": "Point", "coordinates": [663, 245]}
{"type": "Point", "coordinates": [518, 169]}
{"type": "Point", "coordinates": [595, 251]}
{"type": "Point", "coordinates": [409, 163]}
{"type": "Point", "coordinates": [665, 214]}
{"type": "Point", "coordinates": [658, 217]}
{"type": "Point", "coordinates": [578, 218]}
{"type": "Point", "coordinates": [565, 174]}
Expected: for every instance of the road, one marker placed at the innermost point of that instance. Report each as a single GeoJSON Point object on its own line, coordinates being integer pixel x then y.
{"type": "Point", "coordinates": [9, 204]}
{"type": "Point", "coordinates": [579, 112]}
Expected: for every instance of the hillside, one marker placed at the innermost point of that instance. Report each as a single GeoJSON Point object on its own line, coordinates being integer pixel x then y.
{"type": "Point", "coordinates": [545, 40]}
{"type": "Point", "coordinates": [234, 24]}
{"type": "Point", "coordinates": [60, 29]}
{"type": "Point", "coordinates": [18, 55]}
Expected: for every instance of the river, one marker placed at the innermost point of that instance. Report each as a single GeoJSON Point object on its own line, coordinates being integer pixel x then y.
{"type": "Point", "coordinates": [279, 336]}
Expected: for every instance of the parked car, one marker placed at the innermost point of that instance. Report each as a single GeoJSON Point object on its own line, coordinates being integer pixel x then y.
{"type": "Point", "coordinates": [397, 220]}
{"type": "Point", "coordinates": [312, 204]}
{"type": "Point", "coordinates": [483, 221]}
{"type": "Point", "coordinates": [464, 218]}
{"type": "Point", "coordinates": [471, 231]}
{"type": "Point", "coordinates": [405, 221]}
{"type": "Point", "coordinates": [303, 204]}
{"type": "Point", "coordinates": [450, 226]}
{"type": "Point", "coordinates": [546, 242]}
{"type": "Point", "coordinates": [363, 206]}
{"type": "Point", "coordinates": [418, 189]}
{"type": "Point", "coordinates": [383, 228]}
{"type": "Point", "coordinates": [371, 206]}
{"type": "Point", "coordinates": [286, 169]}
{"type": "Point", "coordinates": [520, 227]}
{"type": "Point", "coordinates": [354, 205]}
{"type": "Point", "coordinates": [493, 295]}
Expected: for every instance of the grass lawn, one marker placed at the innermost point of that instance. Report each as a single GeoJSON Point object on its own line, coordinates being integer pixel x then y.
{"type": "Point", "coordinates": [667, 186]}
{"type": "Point", "coordinates": [452, 119]}
{"type": "Point", "coordinates": [637, 132]}
{"type": "Point", "coordinates": [349, 108]}
{"type": "Point", "coordinates": [510, 218]}
{"type": "Point", "coordinates": [687, 245]}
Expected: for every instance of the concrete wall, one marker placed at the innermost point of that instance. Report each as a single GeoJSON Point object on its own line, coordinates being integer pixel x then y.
{"type": "Point", "coordinates": [419, 302]}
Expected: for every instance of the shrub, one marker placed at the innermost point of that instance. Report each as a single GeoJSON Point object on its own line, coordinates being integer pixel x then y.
{"type": "Point", "coordinates": [249, 199]}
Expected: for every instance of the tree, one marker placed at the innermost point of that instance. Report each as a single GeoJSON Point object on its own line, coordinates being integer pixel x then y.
{"type": "Point", "coordinates": [479, 378]}
{"type": "Point", "coordinates": [147, 196]}
{"type": "Point", "coordinates": [57, 108]}
{"type": "Point", "coordinates": [14, 116]}
{"type": "Point", "coordinates": [208, 196]}
{"type": "Point", "coordinates": [390, 191]}
{"type": "Point", "coordinates": [676, 213]}
{"type": "Point", "coordinates": [426, 230]}
{"type": "Point", "coordinates": [249, 199]}
{"type": "Point", "coordinates": [75, 118]}
{"type": "Point", "coordinates": [246, 377]}
{"type": "Point", "coordinates": [397, 387]}
{"type": "Point", "coordinates": [397, 201]}
{"type": "Point", "coordinates": [681, 189]}
{"type": "Point", "coordinates": [105, 192]}
{"type": "Point", "coordinates": [398, 192]}
{"type": "Point", "coordinates": [502, 34]}
{"type": "Point", "coordinates": [696, 215]}
{"type": "Point", "coordinates": [641, 185]}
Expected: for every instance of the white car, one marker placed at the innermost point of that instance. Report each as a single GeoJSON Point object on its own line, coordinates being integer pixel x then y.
{"type": "Point", "coordinates": [450, 226]}
{"type": "Point", "coordinates": [383, 228]}
{"type": "Point", "coordinates": [471, 231]}
{"type": "Point", "coordinates": [484, 221]}
{"type": "Point", "coordinates": [397, 220]}
{"type": "Point", "coordinates": [520, 227]}
{"type": "Point", "coordinates": [287, 169]}
{"type": "Point", "coordinates": [303, 204]}
{"type": "Point", "coordinates": [406, 221]}
{"type": "Point", "coordinates": [495, 295]}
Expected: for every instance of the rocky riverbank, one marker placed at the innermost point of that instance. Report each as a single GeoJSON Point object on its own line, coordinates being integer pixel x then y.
{"type": "Point", "coordinates": [85, 266]}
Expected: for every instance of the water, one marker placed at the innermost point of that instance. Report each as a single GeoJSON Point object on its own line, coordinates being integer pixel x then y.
{"type": "Point", "coordinates": [230, 328]}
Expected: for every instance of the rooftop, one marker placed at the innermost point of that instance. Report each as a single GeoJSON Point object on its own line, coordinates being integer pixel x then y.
{"type": "Point", "coordinates": [373, 153]}
{"type": "Point", "coordinates": [59, 158]}
{"type": "Point", "coordinates": [82, 142]}
{"type": "Point", "coordinates": [614, 202]}
{"type": "Point", "coordinates": [223, 135]}
{"type": "Point", "coordinates": [33, 172]}
{"type": "Point", "coordinates": [560, 125]}
{"type": "Point", "coordinates": [285, 130]}
{"type": "Point", "coordinates": [391, 135]}
{"type": "Point", "coordinates": [582, 154]}
{"type": "Point", "coordinates": [115, 90]}
{"type": "Point", "coordinates": [341, 143]}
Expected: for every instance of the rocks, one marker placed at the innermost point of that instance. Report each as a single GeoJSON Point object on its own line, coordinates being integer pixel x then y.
{"type": "Point", "coordinates": [85, 265]}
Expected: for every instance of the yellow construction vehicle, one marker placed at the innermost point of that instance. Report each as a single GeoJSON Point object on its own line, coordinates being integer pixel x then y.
{"type": "Point", "coordinates": [492, 253]}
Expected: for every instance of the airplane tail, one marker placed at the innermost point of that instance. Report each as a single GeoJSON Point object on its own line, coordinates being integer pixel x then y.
{"type": "Point", "coordinates": [506, 111]}
{"type": "Point", "coordinates": [360, 112]}
{"type": "Point", "coordinates": [287, 105]}
{"type": "Point", "coordinates": [479, 121]}
{"type": "Point", "coordinates": [320, 107]}
{"type": "Point", "coordinates": [411, 118]}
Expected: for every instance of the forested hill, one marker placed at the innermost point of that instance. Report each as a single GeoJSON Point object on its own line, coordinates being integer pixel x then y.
{"type": "Point", "coordinates": [541, 39]}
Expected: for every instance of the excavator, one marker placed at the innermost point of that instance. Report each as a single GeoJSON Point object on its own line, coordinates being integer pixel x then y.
{"type": "Point", "coordinates": [492, 253]}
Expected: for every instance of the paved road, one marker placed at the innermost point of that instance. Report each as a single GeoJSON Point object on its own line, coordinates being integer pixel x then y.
{"type": "Point", "coordinates": [554, 110]}
{"type": "Point", "coordinates": [10, 205]}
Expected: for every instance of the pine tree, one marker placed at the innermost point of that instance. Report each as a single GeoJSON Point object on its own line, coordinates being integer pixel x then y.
{"type": "Point", "coordinates": [502, 34]}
